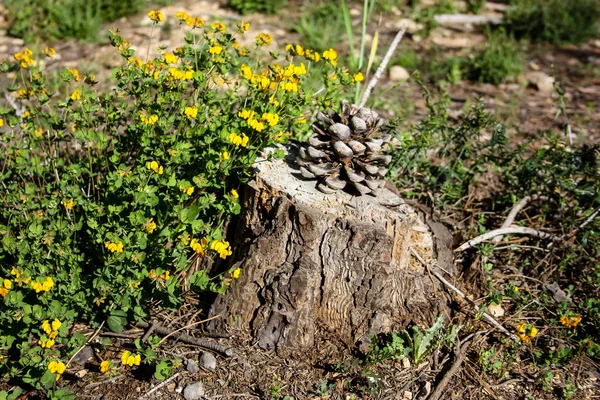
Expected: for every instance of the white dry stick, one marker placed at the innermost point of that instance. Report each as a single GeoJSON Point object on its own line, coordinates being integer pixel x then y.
{"type": "Point", "coordinates": [382, 66]}
{"type": "Point", "coordinates": [512, 215]}
{"type": "Point", "coordinates": [585, 223]}
{"type": "Point", "coordinates": [507, 231]}
{"type": "Point", "coordinates": [161, 385]}
{"type": "Point", "coordinates": [461, 294]}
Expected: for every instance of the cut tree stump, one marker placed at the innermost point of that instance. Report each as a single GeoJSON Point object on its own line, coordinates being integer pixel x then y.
{"type": "Point", "coordinates": [317, 265]}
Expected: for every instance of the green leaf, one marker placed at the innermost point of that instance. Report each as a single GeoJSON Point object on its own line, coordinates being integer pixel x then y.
{"type": "Point", "coordinates": [47, 380]}
{"type": "Point", "coordinates": [117, 320]}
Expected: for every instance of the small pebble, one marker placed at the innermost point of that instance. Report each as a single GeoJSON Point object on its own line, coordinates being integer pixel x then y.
{"type": "Point", "coordinates": [208, 361]}
{"type": "Point", "coordinates": [193, 391]}
{"type": "Point", "coordinates": [192, 366]}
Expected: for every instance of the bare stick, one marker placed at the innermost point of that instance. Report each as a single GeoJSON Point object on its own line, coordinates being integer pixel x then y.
{"type": "Point", "coordinates": [512, 215]}
{"type": "Point", "coordinates": [382, 66]}
{"type": "Point", "coordinates": [507, 231]}
{"type": "Point", "coordinates": [464, 19]}
{"type": "Point", "coordinates": [161, 385]}
{"type": "Point", "coordinates": [585, 223]}
{"type": "Point", "coordinates": [461, 294]}
{"type": "Point", "coordinates": [459, 355]}
{"type": "Point", "coordinates": [201, 342]}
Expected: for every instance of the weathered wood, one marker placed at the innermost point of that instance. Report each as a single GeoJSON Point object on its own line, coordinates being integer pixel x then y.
{"type": "Point", "coordinates": [318, 264]}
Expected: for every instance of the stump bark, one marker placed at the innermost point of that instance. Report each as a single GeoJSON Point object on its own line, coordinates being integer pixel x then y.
{"type": "Point", "coordinates": [321, 265]}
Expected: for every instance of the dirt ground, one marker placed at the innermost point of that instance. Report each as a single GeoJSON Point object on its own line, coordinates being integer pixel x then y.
{"type": "Point", "coordinates": [331, 372]}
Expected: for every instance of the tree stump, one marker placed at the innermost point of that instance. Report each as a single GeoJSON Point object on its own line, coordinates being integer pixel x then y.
{"type": "Point", "coordinates": [318, 264]}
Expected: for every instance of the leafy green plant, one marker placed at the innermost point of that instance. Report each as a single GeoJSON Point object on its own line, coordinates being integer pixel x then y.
{"type": "Point", "coordinates": [257, 6]}
{"type": "Point", "coordinates": [474, 6]}
{"type": "Point", "coordinates": [500, 60]}
{"type": "Point", "coordinates": [321, 25]}
{"type": "Point", "coordinates": [422, 342]}
{"type": "Point", "coordinates": [112, 197]}
{"type": "Point", "coordinates": [556, 21]}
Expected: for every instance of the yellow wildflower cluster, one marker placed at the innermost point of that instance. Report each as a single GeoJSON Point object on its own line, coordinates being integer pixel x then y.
{"type": "Point", "coordinates": [234, 194]}
{"type": "Point", "coordinates": [218, 26]}
{"type": "Point", "coordinates": [76, 74]}
{"type": "Point", "coordinates": [244, 26]}
{"type": "Point", "coordinates": [235, 273]}
{"type": "Point", "coordinates": [194, 22]}
{"type": "Point", "coordinates": [191, 112]}
{"type": "Point", "coordinates": [242, 51]}
{"type": "Point", "coordinates": [105, 366]}
{"type": "Point", "coordinates": [24, 58]}
{"type": "Point", "coordinates": [165, 276]}
{"type": "Point", "coordinates": [264, 39]}
{"type": "Point", "coordinates": [114, 247]}
{"type": "Point", "coordinates": [149, 120]}
{"type": "Point", "coordinates": [130, 359]}
{"type": "Point", "coordinates": [224, 156]}
{"type": "Point", "coordinates": [149, 225]}
{"type": "Point", "coordinates": [24, 94]}
{"type": "Point", "coordinates": [46, 343]}
{"type": "Point", "coordinates": [68, 204]}
{"type": "Point", "coordinates": [51, 328]}
{"type": "Point", "coordinates": [49, 52]}
{"type": "Point", "coordinates": [136, 61]}
{"type": "Point", "coordinates": [270, 118]}
{"type": "Point", "coordinates": [76, 95]}
{"type": "Point", "coordinates": [239, 140]}
{"type": "Point", "coordinates": [38, 132]}
{"type": "Point", "coordinates": [526, 332]}
{"type": "Point", "coordinates": [222, 247]}
{"type": "Point", "coordinates": [199, 246]}
{"type": "Point", "coordinates": [170, 58]}
{"type": "Point", "coordinates": [331, 56]}
{"type": "Point", "coordinates": [306, 53]}
{"type": "Point", "coordinates": [154, 166]}
{"type": "Point", "coordinates": [180, 74]}
{"type": "Point", "coordinates": [570, 322]}
{"type": "Point", "coordinates": [358, 77]}
{"type": "Point", "coordinates": [187, 189]}
{"type": "Point", "coordinates": [215, 49]}
{"type": "Point", "coordinates": [57, 367]}
{"type": "Point", "coordinates": [156, 16]}
{"type": "Point", "coordinates": [5, 287]}
{"type": "Point", "coordinates": [20, 278]}
{"type": "Point", "coordinates": [45, 286]}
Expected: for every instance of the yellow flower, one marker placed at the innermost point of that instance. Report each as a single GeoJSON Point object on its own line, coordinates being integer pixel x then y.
{"type": "Point", "coordinates": [239, 140]}
{"type": "Point", "coordinates": [224, 156]}
{"type": "Point", "coordinates": [156, 16]}
{"type": "Point", "coordinates": [222, 247]}
{"type": "Point", "coordinates": [154, 166]}
{"type": "Point", "coordinates": [57, 367]}
{"type": "Point", "coordinates": [271, 119]}
{"type": "Point", "coordinates": [246, 71]}
{"type": "Point", "coordinates": [533, 332]}
{"type": "Point", "coordinates": [358, 77]}
{"type": "Point", "coordinates": [75, 74]}
{"type": "Point", "coordinates": [166, 276]}
{"type": "Point", "coordinates": [105, 366]}
{"type": "Point", "coordinates": [331, 56]}
{"type": "Point", "coordinates": [46, 343]}
{"type": "Point", "coordinates": [199, 246]}
{"type": "Point", "coordinates": [1, 122]}
{"type": "Point", "coordinates": [44, 286]}
{"type": "Point", "coordinates": [264, 39]}
{"type": "Point", "coordinates": [217, 26]}
{"type": "Point", "coordinates": [149, 120]}
{"type": "Point", "coordinates": [24, 58]}
{"type": "Point", "coordinates": [130, 359]}
{"type": "Point", "coordinates": [114, 247]}
{"type": "Point", "coordinates": [134, 284]}
{"type": "Point", "coordinates": [570, 322]}
{"type": "Point", "coordinates": [68, 204]}
{"type": "Point", "coordinates": [235, 273]}
{"type": "Point", "coordinates": [256, 125]}
{"type": "Point", "coordinates": [245, 114]}
{"type": "Point", "coordinates": [188, 190]}
{"type": "Point", "coordinates": [26, 115]}
{"type": "Point", "coordinates": [38, 132]}
{"type": "Point", "coordinates": [76, 95]}
{"type": "Point", "coordinates": [182, 16]}
{"type": "Point", "coordinates": [216, 49]}
{"type": "Point", "coordinates": [46, 327]}
{"type": "Point", "coordinates": [4, 292]}
{"type": "Point", "coordinates": [170, 58]}
{"type": "Point", "coordinates": [194, 22]}
{"type": "Point", "coordinates": [191, 112]}
{"type": "Point", "coordinates": [234, 194]}
{"type": "Point", "coordinates": [301, 120]}
{"type": "Point", "coordinates": [7, 284]}
{"type": "Point", "coordinates": [244, 26]}
{"type": "Point", "coordinates": [150, 225]}
{"type": "Point", "coordinates": [53, 335]}
{"type": "Point", "coordinates": [49, 52]}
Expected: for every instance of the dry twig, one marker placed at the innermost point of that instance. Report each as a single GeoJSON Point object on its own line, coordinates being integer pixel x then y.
{"type": "Point", "coordinates": [382, 66]}
{"type": "Point", "coordinates": [157, 387]}
{"type": "Point", "coordinates": [461, 294]}
{"type": "Point", "coordinates": [506, 231]}
{"type": "Point", "coordinates": [460, 351]}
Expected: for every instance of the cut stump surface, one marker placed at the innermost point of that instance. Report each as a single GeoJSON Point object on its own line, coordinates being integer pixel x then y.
{"type": "Point", "coordinates": [317, 265]}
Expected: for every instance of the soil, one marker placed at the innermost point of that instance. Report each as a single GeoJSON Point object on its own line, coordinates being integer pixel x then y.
{"type": "Point", "coordinates": [332, 370]}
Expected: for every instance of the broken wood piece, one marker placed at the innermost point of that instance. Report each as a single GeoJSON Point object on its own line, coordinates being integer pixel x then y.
{"type": "Point", "coordinates": [450, 20]}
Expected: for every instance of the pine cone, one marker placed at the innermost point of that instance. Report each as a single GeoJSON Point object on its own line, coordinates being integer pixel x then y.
{"type": "Point", "coordinates": [345, 151]}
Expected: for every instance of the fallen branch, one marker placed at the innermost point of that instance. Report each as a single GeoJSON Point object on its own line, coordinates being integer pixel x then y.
{"type": "Point", "coordinates": [382, 66]}
{"type": "Point", "coordinates": [201, 342]}
{"type": "Point", "coordinates": [466, 19]}
{"type": "Point", "coordinates": [154, 389]}
{"type": "Point", "coordinates": [461, 294]}
{"type": "Point", "coordinates": [507, 231]}
{"type": "Point", "coordinates": [459, 355]}
{"type": "Point", "coordinates": [585, 223]}
{"type": "Point", "coordinates": [512, 215]}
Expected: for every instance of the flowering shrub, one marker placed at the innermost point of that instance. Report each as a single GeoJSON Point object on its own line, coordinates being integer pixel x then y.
{"type": "Point", "coordinates": [109, 197]}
